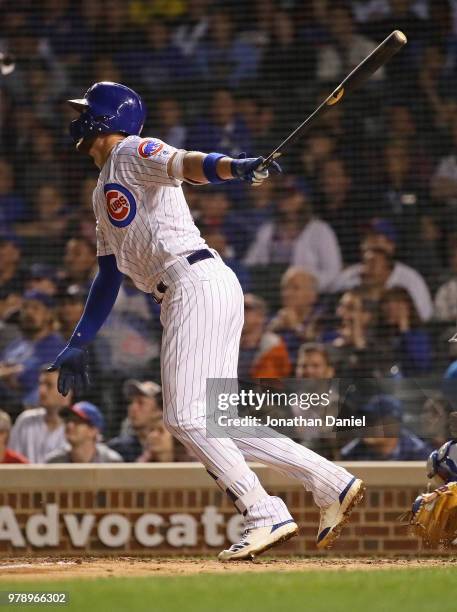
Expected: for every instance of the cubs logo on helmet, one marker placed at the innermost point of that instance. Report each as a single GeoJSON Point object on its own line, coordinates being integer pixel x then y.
{"type": "Point", "coordinates": [120, 204]}
{"type": "Point", "coordinates": [149, 148]}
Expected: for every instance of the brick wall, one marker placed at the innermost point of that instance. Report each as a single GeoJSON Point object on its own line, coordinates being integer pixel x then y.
{"type": "Point", "coordinates": [166, 509]}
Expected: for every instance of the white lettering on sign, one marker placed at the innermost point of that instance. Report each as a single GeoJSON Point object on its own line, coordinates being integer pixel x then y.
{"type": "Point", "coordinates": [9, 529]}
{"type": "Point", "coordinates": [43, 529]}
{"type": "Point", "coordinates": [116, 530]}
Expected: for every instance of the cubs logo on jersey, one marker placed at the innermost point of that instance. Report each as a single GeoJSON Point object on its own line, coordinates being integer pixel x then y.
{"type": "Point", "coordinates": [120, 204]}
{"type": "Point", "coordinates": [149, 147]}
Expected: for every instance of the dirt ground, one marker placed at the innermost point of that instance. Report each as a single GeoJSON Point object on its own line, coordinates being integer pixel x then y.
{"type": "Point", "coordinates": [92, 567]}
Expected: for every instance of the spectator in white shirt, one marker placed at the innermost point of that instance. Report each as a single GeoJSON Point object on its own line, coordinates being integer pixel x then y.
{"type": "Point", "coordinates": [379, 270]}
{"type": "Point", "coordinates": [296, 238]}
{"type": "Point", "coordinates": [446, 296]}
{"type": "Point", "coordinates": [347, 50]}
{"type": "Point", "coordinates": [444, 179]}
{"type": "Point", "coordinates": [39, 431]}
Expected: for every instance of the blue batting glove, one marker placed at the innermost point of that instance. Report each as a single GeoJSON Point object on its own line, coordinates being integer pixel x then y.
{"type": "Point", "coordinates": [250, 169]}
{"type": "Point", "coordinates": [73, 367]}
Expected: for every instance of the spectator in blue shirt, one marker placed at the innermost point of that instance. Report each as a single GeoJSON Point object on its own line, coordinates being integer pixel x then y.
{"type": "Point", "coordinates": [12, 206]}
{"type": "Point", "coordinates": [409, 341]}
{"type": "Point", "coordinates": [22, 360]}
{"type": "Point", "coordinates": [385, 438]}
{"type": "Point", "coordinates": [145, 404]}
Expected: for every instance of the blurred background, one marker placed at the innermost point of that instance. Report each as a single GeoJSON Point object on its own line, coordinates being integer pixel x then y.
{"type": "Point", "coordinates": [348, 260]}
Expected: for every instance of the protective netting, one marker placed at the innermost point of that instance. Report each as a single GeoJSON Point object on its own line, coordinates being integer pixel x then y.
{"type": "Point", "coordinates": [365, 211]}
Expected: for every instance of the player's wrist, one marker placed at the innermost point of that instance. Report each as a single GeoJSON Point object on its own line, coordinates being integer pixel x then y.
{"type": "Point", "coordinates": [212, 170]}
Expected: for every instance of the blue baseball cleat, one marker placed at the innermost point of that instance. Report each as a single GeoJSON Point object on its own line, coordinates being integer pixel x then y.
{"type": "Point", "coordinates": [335, 516]}
{"type": "Point", "coordinates": [258, 540]}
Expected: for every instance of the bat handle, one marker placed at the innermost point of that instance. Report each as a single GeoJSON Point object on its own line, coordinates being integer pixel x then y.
{"type": "Point", "coordinates": [270, 159]}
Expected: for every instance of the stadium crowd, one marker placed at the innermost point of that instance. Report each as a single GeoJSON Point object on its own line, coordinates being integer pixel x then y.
{"type": "Point", "coordinates": [348, 259]}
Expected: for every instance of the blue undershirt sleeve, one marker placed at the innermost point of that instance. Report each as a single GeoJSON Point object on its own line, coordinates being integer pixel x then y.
{"type": "Point", "coordinates": [101, 298]}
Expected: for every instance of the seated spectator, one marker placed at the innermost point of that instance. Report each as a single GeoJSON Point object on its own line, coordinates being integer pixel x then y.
{"type": "Point", "coordinates": [46, 231]}
{"type": "Point", "coordinates": [83, 224]}
{"type": "Point", "coordinates": [145, 404]}
{"type": "Point", "coordinates": [402, 195]}
{"type": "Point", "coordinates": [435, 94]}
{"type": "Point", "coordinates": [354, 343]}
{"type": "Point", "coordinates": [80, 262]}
{"type": "Point", "coordinates": [339, 205]}
{"type": "Point", "coordinates": [12, 206]}
{"type": "Point", "coordinates": [21, 361]}
{"type": "Point", "coordinates": [7, 455]}
{"type": "Point", "coordinates": [225, 57]}
{"type": "Point", "coordinates": [294, 237]}
{"type": "Point", "coordinates": [298, 320]}
{"type": "Point", "coordinates": [43, 278]}
{"type": "Point", "coordinates": [379, 271]}
{"type": "Point", "coordinates": [314, 362]}
{"type": "Point", "coordinates": [170, 125]}
{"type": "Point", "coordinates": [263, 354]}
{"type": "Point", "coordinates": [444, 180]}
{"type": "Point", "coordinates": [435, 420]}
{"type": "Point", "coordinates": [12, 275]}
{"type": "Point", "coordinates": [403, 332]}
{"type": "Point", "coordinates": [215, 214]}
{"type": "Point", "coordinates": [132, 331]}
{"type": "Point", "coordinates": [156, 63]}
{"type": "Point", "coordinates": [70, 306]}
{"type": "Point", "coordinates": [192, 28]}
{"type": "Point", "coordinates": [320, 145]}
{"type": "Point", "coordinates": [260, 115]}
{"type": "Point", "coordinates": [160, 446]}
{"type": "Point", "coordinates": [44, 165]}
{"type": "Point", "coordinates": [223, 130]}
{"type": "Point", "coordinates": [39, 431]}
{"type": "Point", "coordinates": [386, 438]}
{"type": "Point", "coordinates": [446, 296]}
{"type": "Point", "coordinates": [84, 425]}
{"type": "Point", "coordinates": [9, 331]}
{"type": "Point", "coordinates": [346, 49]}
{"type": "Point", "coordinates": [217, 240]}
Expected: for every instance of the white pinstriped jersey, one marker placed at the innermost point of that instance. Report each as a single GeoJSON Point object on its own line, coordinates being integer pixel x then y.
{"type": "Point", "coordinates": [142, 215]}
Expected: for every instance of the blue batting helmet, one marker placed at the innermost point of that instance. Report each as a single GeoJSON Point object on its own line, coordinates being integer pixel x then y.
{"type": "Point", "coordinates": [108, 108]}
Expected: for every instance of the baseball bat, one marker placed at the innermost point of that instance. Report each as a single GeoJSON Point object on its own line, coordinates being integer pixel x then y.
{"type": "Point", "coordinates": [361, 73]}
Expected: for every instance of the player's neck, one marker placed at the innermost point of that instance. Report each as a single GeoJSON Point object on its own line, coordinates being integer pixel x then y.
{"type": "Point", "coordinates": [102, 146]}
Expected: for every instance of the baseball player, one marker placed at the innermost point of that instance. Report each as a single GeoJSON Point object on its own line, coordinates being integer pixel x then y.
{"type": "Point", "coordinates": [145, 230]}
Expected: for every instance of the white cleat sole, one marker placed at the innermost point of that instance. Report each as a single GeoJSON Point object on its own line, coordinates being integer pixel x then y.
{"type": "Point", "coordinates": [280, 535]}
{"type": "Point", "coordinates": [353, 497]}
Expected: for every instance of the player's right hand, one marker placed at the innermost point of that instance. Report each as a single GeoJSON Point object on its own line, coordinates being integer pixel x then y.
{"type": "Point", "coordinates": [73, 367]}
{"type": "Point", "coordinates": [251, 169]}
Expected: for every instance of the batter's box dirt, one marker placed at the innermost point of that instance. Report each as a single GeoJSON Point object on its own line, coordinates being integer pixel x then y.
{"type": "Point", "coordinates": [92, 567]}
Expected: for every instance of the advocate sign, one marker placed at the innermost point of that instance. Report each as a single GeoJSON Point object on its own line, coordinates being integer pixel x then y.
{"type": "Point", "coordinates": [116, 530]}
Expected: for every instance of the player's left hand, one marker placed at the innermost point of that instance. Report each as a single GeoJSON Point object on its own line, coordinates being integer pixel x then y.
{"type": "Point", "coordinates": [73, 367]}
{"type": "Point", "coordinates": [250, 169]}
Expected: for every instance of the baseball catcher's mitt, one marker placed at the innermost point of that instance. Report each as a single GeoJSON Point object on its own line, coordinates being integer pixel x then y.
{"type": "Point", "coordinates": [434, 516]}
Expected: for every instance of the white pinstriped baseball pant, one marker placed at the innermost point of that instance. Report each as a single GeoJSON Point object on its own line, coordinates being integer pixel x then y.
{"type": "Point", "coordinates": [202, 316]}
